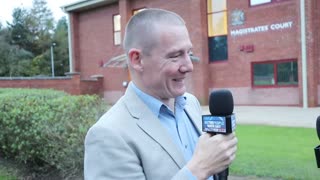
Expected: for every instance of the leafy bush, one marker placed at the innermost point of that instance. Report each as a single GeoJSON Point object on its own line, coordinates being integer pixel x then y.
{"type": "Point", "coordinates": [46, 128]}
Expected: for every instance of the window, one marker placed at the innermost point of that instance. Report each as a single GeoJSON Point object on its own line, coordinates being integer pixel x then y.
{"type": "Point", "coordinates": [259, 2]}
{"type": "Point", "coordinates": [218, 48]}
{"type": "Point", "coordinates": [217, 30]}
{"type": "Point", "coordinates": [117, 29]}
{"type": "Point", "coordinates": [275, 73]}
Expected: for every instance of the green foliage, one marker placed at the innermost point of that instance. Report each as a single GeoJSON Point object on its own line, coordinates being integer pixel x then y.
{"type": "Point", "coordinates": [25, 44]}
{"type": "Point", "coordinates": [14, 60]}
{"type": "Point", "coordinates": [40, 65]}
{"type": "Point", "coordinates": [20, 33]}
{"type": "Point", "coordinates": [4, 53]}
{"type": "Point", "coordinates": [276, 152]}
{"type": "Point", "coordinates": [46, 128]}
{"type": "Point", "coordinates": [41, 25]}
{"type": "Point", "coordinates": [61, 50]}
{"type": "Point", "coordinates": [19, 62]}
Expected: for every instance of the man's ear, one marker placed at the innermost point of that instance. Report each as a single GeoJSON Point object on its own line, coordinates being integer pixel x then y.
{"type": "Point", "coordinates": [135, 58]}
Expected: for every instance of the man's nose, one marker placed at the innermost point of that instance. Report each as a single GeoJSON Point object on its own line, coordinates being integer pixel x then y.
{"type": "Point", "coordinates": [186, 65]}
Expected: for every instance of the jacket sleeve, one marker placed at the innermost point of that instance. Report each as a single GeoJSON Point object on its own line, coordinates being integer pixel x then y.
{"type": "Point", "coordinates": [107, 156]}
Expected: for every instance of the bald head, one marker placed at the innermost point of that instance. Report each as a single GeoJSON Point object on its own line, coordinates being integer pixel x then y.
{"type": "Point", "coordinates": [142, 31]}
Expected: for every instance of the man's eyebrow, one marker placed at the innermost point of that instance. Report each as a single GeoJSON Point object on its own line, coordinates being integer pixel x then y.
{"type": "Point", "coordinates": [178, 50]}
{"type": "Point", "coordinates": [175, 51]}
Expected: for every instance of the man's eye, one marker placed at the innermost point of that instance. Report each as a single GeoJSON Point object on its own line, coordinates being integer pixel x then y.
{"type": "Point", "coordinates": [175, 56]}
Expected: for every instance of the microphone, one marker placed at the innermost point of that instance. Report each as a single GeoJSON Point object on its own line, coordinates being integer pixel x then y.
{"type": "Point", "coordinates": [221, 121]}
{"type": "Point", "coordinates": [317, 149]}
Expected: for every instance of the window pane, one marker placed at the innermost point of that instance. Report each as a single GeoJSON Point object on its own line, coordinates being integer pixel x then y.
{"type": "Point", "coordinates": [216, 5]}
{"type": "Point", "coordinates": [116, 23]}
{"type": "Point", "coordinates": [117, 38]}
{"type": "Point", "coordinates": [263, 74]}
{"type": "Point", "coordinates": [257, 2]}
{"type": "Point", "coordinates": [287, 73]}
{"type": "Point", "coordinates": [217, 24]}
{"type": "Point", "coordinates": [218, 48]}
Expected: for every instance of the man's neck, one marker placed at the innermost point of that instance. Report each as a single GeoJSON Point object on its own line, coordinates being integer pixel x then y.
{"type": "Point", "coordinates": [170, 103]}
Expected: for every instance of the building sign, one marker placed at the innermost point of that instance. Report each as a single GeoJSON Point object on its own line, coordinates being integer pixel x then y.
{"type": "Point", "coordinates": [237, 17]}
{"type": "Point", "coordinates": [262, 28]}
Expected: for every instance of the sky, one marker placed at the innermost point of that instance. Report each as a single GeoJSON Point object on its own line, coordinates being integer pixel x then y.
{"type": "Point", "coordinates": [6, 7]}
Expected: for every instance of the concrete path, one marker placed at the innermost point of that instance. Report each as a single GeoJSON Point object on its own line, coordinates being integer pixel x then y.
{"type": "Point", "coordinates": [275, 115]}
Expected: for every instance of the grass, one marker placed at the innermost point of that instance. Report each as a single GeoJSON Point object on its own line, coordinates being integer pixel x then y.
{"type": "Point", "coordinates": [263, 151]}
{"type": "Point", "coordinates": [5, 174]}
{"type": "Point", "coordinates": [11, 170]}
{"type": "Point", "coordinates": [276, 152]}
{"type": "Point", "coordinates": [7, 177]}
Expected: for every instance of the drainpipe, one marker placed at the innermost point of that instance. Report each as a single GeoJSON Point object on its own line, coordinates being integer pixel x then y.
{"type": "Point", "coordinates": [70, 45]}
{"type": "Point", "coordinates": [304, 54]}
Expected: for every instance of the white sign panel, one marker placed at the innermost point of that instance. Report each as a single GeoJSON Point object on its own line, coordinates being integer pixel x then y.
{"type": "Point", "coordinates": [262, 28]}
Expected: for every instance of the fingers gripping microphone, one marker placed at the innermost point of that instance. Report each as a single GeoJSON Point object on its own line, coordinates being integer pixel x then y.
{"type": "Point", "coordinates": [221, 120]}
{"type": "Point", "coordinates": [317, 149]}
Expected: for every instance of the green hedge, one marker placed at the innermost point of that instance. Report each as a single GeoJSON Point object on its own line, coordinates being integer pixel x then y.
{"type": "Point", "coordinates": [46, 128]}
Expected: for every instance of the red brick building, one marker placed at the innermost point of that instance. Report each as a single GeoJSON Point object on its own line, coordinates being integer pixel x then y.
{"type": "Point", "coordinates": [267, 52]}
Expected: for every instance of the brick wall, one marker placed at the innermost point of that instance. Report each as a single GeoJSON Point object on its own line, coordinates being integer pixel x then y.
{"type": "Point", "coordinates": [236, 73]}
{"type": "Point", "coordinates": [94, 43]}
{"type": "Point", "coordinates": [70, 84]}
{"type": "Point", "coordinates": [92, 86]}
{"type": "Point", "coordinates": [318, 46]}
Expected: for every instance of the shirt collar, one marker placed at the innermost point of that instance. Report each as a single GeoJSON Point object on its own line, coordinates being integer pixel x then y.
{"type": "Point", "coordinates": [155, 104]}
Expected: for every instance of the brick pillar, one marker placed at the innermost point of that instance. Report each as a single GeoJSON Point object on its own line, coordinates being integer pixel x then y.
{"type": "Point", "coordinates": [125, 11]}
{"type": "Point", "coordinates": [317, 40]}
{"type": "Point", "coordinates": [312, 60]}
{"type": "Point", "coordinates": [197, 23]}
{"type": "Point", "coordinates": [100, 82]}
{"type": "Point", "coordinates": [75, 84]}
{"type": "Point", "coordinates": [74, 29]}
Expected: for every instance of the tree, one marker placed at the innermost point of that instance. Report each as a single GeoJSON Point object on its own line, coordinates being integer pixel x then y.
{"type": "Point", "coordinates": [41, 25]}
{"type": "Point", "coordinates": [25, 44]}
{"type": "Point", "coordinates": [20, 29]}
{"type": "Point", "coordinates": [14, 60]}
{"type": "Point", "coordinates": [19, 62]}
{"type": "Point", "coordinates": [61, 52]}
{"type": "Point", "coordinates": [22, 44]}
{"type": "Point", "coordinates": [4, 53]}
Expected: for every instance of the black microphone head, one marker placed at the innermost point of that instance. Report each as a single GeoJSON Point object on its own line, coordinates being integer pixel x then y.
{"type": "Point", "coordinates": [318, 126]}
{"type": "Point", "coordinates": [221, 102]}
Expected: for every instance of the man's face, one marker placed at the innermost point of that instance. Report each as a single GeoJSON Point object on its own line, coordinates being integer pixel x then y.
{"type": "Point", "coordinates": [166, 66]}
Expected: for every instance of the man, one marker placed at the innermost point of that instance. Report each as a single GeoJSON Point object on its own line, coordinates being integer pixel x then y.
{"type": "Point", "coordinates": [153, 131]}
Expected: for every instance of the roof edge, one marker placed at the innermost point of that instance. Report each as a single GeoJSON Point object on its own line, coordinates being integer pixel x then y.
{"type": "Point", "coordinates": [85, 4]}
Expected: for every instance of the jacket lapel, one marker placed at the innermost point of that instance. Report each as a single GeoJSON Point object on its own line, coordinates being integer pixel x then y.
{"type": "Point", "coordinates": [156, 131]}
{"type": "Point", "coordinates": [151, 125]}
{"type": "Point", "coordinates": [196, 120]}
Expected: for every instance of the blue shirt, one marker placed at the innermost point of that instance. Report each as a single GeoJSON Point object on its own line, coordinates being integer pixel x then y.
{"type": "Point", "coordinates": [177, 123]}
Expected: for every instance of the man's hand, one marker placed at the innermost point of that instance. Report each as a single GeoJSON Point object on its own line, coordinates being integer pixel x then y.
{"type": "Point", "coordinates": [213, 154]}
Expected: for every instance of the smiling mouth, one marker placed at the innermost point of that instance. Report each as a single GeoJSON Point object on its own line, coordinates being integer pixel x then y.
{"type": "Point", "coordinates": [178, 80]}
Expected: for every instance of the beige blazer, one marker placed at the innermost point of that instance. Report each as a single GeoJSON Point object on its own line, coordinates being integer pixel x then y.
{"type": "Point", "coordinates": [129, 142]}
